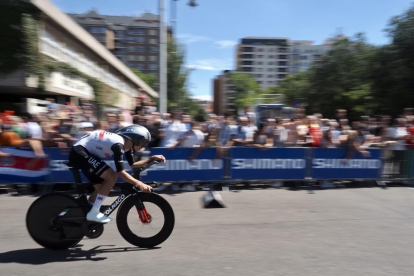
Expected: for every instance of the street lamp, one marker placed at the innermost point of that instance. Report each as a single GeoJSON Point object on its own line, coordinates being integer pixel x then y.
{"type": "Point", "coordinates": [192, 3]}
{"type": "Point", "coordinates": [163, 53]}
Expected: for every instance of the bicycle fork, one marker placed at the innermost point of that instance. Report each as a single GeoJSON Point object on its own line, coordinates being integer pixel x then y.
{"type": "Point", "coordinates": [142, 212]}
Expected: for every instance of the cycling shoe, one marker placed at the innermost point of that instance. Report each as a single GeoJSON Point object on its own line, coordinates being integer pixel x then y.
{"type": "Point", "coordinates": [97, 217]}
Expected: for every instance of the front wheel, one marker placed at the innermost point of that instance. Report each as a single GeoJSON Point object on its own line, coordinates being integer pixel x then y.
{"type": "Point", "coordinates": [146, 234]}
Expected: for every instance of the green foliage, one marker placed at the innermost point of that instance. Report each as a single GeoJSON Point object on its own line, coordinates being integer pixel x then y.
{"type": "Point", "coordinates": [295, 88]}
{"type": "Point", "coordinates": [361, 78]}
{"type": "Point", "coordinates": [14, 16]}
{"type": "Point", "coordinates": [177, 76]}
{"type": "Point", "coordinates": [150, 80]}
{"type": "Point", "coordinates": [246, 89]}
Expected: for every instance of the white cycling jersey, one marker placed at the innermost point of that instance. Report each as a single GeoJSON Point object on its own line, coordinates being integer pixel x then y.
{"type": "Point", "coordinates": [100, 142]}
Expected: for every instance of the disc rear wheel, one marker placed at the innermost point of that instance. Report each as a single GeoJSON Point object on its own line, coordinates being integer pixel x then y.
{"type": "Point", "coordinates": [46, 229]}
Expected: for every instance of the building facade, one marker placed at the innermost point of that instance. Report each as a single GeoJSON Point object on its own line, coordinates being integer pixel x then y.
{"type": "Point", "coordinates": [270, 60]}
{"type": "Point", "coordinates": [61, 41]}
{"type": "Point", "coordinates": [224, 94]}
{"type": "Point", "coordinates": [133, 40]}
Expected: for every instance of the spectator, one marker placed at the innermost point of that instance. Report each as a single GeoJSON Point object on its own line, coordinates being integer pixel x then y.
{"type": "Point", "coordinates": [173, 132]}
{"type": "Point", "coordinates": [315, 131]}
{"type": "Point", "coordinates": [191, 138]}
{"type": "Point", "coordinates": [9, 138]}
{"type": "Point", "coordinates": [166, 120]}
{"type": "Point", "coordinates": [226, 133]}
{"type": "Point", "coordinates": [398, 134]}
{"type": "Point", "coordinates": [121, 122]}
{"type": "Point", "coordinates": [261, 139]}
{"type": "Point", "coordinates": [127, 115]}
{"type": "Point", "coordinates": [243, 134]}
{"type": "Point", "coordinates": [34, 129]}
{"type": "Point", "coordinates": [249, 114]}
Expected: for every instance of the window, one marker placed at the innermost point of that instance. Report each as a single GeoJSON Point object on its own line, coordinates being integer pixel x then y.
{"type": "Point", "coordinates": [152, 41]}
{"type": "Point", "coordinates": [282, 57]}
{"type": "Point", "coordinates": [270, 82]}
{"type": "Point", "coordinates": [260, 56]}
{"type": "Point", "coordinates": [131, 48]}
{"type": "Point", "coordinates": [140, 39]}
{"type": "Point", "coordinates": [271, 56]}
{"type": "Point", "coordinates": [153, 58]}
{"type": "Point", "coordinates": [281, 76]}
{"type": "Point", "coordinates": [152, 32]}
{"type": "Point", "coordinates": [153, 50]}
{"type": "Point", "coordinates": [95, 30]}
{"type": "Point", "coordinates": [137, 31]}
{"type": "Point", "coordinates": [259, 75]}
{"type": "Point", "coordinates": [247, 62]}
{"type": "Point", "coordinates": [282, 69]}
{"type": "Point", "coordinates": [270, 70]}
{"type": "Point", "coordinates": [259, 69]}
{"type": "Point", "coordinates": [131, 58]}
{"type": "Point", "coordinates": [270, 63]}
{"type": "Point", "coordinates": [282, 63]}
{"type": "Point", "coordinates": [260, 49]}
{"type": "Point", "coordinates": [153, 67]}
{"type": "Point", "coordinates": [260, 63]}
{"type": "Point", "coordinates": [140, 49]}
{"type": "Point", "coordinates": [270, 76]}
{"type": "Point", "coordinates": [303, 58]}
{"type": "Point", "coordinates": [141, 58]}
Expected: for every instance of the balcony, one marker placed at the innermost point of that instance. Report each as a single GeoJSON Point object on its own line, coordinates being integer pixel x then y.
{"type": "Point", "coordinates": [246, 56]}
{"type": "Point", "coordinates": [247, 49]}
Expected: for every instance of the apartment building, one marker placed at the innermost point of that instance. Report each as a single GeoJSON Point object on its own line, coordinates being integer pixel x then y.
{"type": "Point", "coordinates": [133, 40]}
{"type": "Point", "coordinates": [224, 94]}
{"type": "Point", "coordinates": [62, 40]}
{"type": "Point", "coordinates": [271, 59]}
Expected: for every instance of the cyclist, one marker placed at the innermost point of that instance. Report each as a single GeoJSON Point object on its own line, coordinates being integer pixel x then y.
{"type": "Point", "coordinates": [86, 154]}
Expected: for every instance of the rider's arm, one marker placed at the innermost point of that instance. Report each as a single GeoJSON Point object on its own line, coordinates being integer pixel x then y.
{"type": "Point", "coordinates": [118, 151]}
{"type": "Point", "coordinates": [130, 157]}
{"type": "Point", "coordinates": [144, 162]}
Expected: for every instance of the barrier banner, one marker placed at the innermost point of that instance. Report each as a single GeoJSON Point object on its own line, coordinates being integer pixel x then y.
{"type": "Point", "coordinates": [273, 163]}
{"type": "Point", "coordinates": [22, 166]}
{"type": "Point", "coordinates": [179, 168]}
{"type": "Point", "coordinates": [330, 164]}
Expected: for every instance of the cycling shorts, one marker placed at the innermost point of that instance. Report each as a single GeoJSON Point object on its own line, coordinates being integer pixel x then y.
{"type": "Point", "coordinates": [91, 165]}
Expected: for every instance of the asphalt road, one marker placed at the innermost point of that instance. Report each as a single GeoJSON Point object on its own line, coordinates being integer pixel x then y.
{"type": "Point", "coordinates": [366, 231]}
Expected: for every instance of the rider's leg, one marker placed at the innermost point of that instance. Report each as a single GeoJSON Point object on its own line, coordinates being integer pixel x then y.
{"type": "Point", "coordinates": [109, 179]}
{"type": "Point", "coordinates": [92, 197]}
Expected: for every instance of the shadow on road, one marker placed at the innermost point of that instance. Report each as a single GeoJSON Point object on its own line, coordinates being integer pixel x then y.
{"type": "Point", "coordinates": [38, 256]}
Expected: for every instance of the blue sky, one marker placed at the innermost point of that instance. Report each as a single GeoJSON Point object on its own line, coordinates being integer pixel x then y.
{"type": "Point", "coordinates": [211, 30]}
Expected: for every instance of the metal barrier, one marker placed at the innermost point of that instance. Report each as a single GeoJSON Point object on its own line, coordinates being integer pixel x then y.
{"type": "Point", "coordinates": [239, 164]}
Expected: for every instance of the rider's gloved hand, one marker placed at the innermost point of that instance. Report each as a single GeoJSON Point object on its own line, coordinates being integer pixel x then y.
{"type": "Point", "coordinates": [159, 158]}
{"type": "Point", "coordinates": [145, 188]}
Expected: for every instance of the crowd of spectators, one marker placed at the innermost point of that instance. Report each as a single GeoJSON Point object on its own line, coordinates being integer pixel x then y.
{"type": "Point", "coordinates": [63, 125]}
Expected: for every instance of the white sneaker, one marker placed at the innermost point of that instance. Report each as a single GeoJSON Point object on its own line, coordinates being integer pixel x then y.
{"type": "Point", "coordinates": [98, 217]}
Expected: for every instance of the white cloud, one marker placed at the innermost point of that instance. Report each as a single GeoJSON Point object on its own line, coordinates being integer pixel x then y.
{"type": "Point", "coordinates": [190, 38]}
{"type": "Point", "coordinates": [210, 64]}
{"type": "Point", "coordinates": [202, 97]}
{"type": "Point", "coordinates": [225, 43]}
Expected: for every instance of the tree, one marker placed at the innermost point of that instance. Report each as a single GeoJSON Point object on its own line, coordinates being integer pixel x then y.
{"type": "Point", "coordinates": [346, 68]}
{"type": "Point", "coordinates": [295, 88]}
{"type": "Point", "coordinates": [246, 89]}
{"type": "Point", "coordinates": [150, 80]}
{"type": "Point", "coordinates": [177, 76]}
